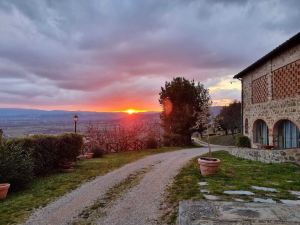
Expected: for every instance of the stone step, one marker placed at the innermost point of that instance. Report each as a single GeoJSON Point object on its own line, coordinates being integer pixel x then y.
{"type": "Point", "coordinates": [237, 213]}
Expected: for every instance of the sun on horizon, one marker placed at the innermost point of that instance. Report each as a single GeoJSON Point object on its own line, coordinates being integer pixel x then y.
{"type": "Point", "coordinates": [132, 111]}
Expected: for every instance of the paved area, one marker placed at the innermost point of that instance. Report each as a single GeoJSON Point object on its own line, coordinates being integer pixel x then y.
{"type": "Point", "coordinates": [140, 205]}
{"type": "Point", "coordinates": [237, 213]}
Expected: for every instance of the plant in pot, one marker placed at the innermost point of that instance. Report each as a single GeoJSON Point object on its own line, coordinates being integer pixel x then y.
{"type": "Point", "coordinates": [209, 165]}
{"type": "Point", "coordinates": [3, 190]}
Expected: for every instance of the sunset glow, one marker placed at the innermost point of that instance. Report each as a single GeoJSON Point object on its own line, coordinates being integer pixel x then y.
{"type": "Point", "coordinates": [132, 111]}
{"type": "Point", "coordinates": [76, 66]}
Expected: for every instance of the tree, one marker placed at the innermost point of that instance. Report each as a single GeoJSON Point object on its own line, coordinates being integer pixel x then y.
{"type": "Point", "coordinates": [230, 117]}
{"type": "Point", "coordinates": [185, 110]}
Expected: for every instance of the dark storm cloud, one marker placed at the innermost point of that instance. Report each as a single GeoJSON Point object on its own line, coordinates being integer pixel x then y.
{"type": "Point", "coordinates": [78, 52]}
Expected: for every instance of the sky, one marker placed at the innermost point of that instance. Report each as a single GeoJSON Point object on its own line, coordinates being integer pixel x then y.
{"type": "Point", "coordinates": [111, 55]}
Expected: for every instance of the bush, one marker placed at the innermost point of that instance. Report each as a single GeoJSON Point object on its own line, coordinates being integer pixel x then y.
{"type": "Point", "coordinates": [151, 142]}
{"type": "Point", "coordinates": [69, 147]}
{"type": "Point", "coordinates": [242, 141]}
{"type": "Point", "coordinates": [48, 152]}
{"type": "Point", "coordinates": [98, 152]}
{"type": "Point", "coordinates": [16, 166]}
{"type": "Point", "coordinates": [42, 149]}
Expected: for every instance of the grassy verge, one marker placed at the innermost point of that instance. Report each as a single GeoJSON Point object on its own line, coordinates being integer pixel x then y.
{"type": "Point", "coordinates": [18, 206]}
{"type": "Point", "coordinates": [235, 174]}
{"type": "Point", "coordinates": [226, 140]}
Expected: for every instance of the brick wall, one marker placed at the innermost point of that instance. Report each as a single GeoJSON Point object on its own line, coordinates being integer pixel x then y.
{"type": "Point", "coordinates": [286, 81]}
{"type": "Point", "coordinates": [260, 90]}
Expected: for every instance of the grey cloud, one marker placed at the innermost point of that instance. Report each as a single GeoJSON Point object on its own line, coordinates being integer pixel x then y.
{"type": "Point", "coordinates": [76, 48]}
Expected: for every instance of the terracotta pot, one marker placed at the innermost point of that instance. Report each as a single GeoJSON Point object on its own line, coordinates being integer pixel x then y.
{"type": "Point", "coordinates": [3, 190]}
{"type": "Point", "coordinates": [67, 165]}
{"type": "Point", "coordinates": [67, 170]}
{"type": "Point", "coordinates": [81, 157]}
{"type": "Point", "coordinates": [269, 147]}
{"type": "Point", "coordinates": [209, 166]}
{"type": "Point", "coordinates": [89, 155]}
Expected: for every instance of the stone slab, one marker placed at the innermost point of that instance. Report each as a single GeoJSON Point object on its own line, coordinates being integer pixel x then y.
{"type": "Point", "coordinates": [297, 193]}
{"type": "Point", "coordinates": [264, 200]}
{"type": "Point", "coordinates": [290, 202]}
{"type": "Point", "coordinates": [211, 197]}
{"type": "Point", "coordinates": [236, 213]}
{"type": "Point", "coordinates": [202, 183]}
{"type": "Point", "coordinates": [239, 193]}
{"type": "Point", "coordinates": [264, 189]}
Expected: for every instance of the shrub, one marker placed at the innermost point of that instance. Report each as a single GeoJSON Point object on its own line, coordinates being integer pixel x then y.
{"type": "Point", "coordinates": [48, 152]}
{"type": "Point", "coordinates": [43, 150]}
{"type": "Point", "coordinates": [151, 142]}
{"type": "Point", "coordinates": [98, 151]}
{"type": "Point", "coordinates": [16, 166]}
{"type": "Point", "coordinates": [242, 141]}
{"type": "Point", "coordinates": [69, 147]}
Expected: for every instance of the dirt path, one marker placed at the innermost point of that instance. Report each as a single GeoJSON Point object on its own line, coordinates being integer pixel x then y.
{"type": "Point", "coordinates": [140, 204]}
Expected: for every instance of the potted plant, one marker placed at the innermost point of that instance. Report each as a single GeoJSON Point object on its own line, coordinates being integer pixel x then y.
{"type": "Point", "coordinates": [209, 165]}
{"type": "Point", "coordinates": [3, 190]}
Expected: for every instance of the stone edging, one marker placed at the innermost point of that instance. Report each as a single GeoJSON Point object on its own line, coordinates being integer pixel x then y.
{"type": "Point", "coordinates": [267, 156]}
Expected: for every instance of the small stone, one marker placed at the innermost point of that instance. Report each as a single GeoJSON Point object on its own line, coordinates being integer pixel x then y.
{"type": "Point", "coordinates": [211, 197]}
{"type": "Point", "coordinates": [264, 200]}
{"type": "Point", "coordinates": [238, 193]}
{"type": "Point", "coordinates": [239, 200]}
{"type": "Point", "coordinates": [290, 202]}
{"type": "Point", "coordinates": [204, 191]}
{"type": "Point", "coordinates": [264, 189]}
{"type": "Point", "coordinates": [202, 183]}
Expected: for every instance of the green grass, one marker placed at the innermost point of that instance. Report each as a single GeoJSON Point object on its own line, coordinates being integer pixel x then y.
{"type": "Point", "coordinates": [235, 174]}
{"type": "Point", "coordinates": [226, 140]}
{"type": "Point", "coordinates": [18, 206]}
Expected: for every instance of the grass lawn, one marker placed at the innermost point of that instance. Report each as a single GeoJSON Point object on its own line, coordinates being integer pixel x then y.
{"type": "Point", "coordinates": [235, 174]}
{"type": "Point", "coordinates": [226, 140]}
{"type": "Point", "coordinates": [18, 206]}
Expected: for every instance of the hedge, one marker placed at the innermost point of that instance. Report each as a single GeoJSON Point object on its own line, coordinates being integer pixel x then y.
{"type": "Point", "coordinates": [16, 166]}
{"type": "Point", "coordinates": [49, 151]}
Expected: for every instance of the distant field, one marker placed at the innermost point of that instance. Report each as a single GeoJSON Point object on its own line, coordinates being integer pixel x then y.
{"type": "Point", "coordinates": [22, 122]}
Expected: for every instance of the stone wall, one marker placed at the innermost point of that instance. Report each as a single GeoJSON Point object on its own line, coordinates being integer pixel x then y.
{"type": "Point", "coordinates": [267, 156]}
{"type": "Point", "coordinates": [282, 75]}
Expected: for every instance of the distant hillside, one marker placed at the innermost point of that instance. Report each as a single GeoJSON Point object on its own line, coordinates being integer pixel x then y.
{"type": "Point", "coordinates": [19, 122]}
{"type": "Point", "coordinates": [215, 110]}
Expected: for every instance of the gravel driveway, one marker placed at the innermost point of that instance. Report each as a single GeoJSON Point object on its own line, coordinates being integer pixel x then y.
{"type": "Point", "coordinates": [138, 206]}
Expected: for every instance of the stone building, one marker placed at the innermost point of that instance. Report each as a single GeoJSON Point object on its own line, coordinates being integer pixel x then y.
{"type": "Point", "coordinates": [271, 97]}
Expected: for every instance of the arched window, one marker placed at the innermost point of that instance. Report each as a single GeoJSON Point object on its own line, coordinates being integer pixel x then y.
{"type": "Point", "coordinates": [246, 126]}
{"type": "Point", "coordinates": [286, 134]}
{"type": "Point", "coordinates": [261, 132]}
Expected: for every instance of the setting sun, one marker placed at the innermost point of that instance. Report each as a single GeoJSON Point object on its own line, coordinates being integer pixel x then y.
{"type": "Point", "coordinates": [132, 111]}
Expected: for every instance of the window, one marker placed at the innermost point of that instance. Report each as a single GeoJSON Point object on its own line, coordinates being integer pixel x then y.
{"type": "Point", "coordinates": [287, 134]}
{"type": "Point", "coordinates": [261, 132]}
{"type": "Point", "coordinates": [246, 126]}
